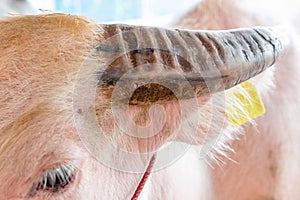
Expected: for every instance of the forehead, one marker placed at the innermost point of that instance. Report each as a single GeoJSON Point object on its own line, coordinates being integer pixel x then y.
{"type": "Point", "coordinates": [44, 42]}
{"type": "Point", "coordinates": [39, 56]}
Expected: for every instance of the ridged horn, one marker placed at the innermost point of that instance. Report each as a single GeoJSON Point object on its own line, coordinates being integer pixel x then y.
{"type": "Point", "coordinates": [210, 61]}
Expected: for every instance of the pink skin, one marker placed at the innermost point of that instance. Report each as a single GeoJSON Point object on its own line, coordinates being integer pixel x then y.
{"type": "Point", "coordinates": [37, 130]}
{"type": "Point", "coordinates": [267, 155]}
{"type": "Point", "coordinates": [36, 122]}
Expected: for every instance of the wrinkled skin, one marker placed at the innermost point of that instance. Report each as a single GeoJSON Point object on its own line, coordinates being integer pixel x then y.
{"type": "Point", "coordinates": [38, 132]}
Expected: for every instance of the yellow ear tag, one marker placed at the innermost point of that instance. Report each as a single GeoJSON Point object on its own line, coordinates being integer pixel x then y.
{"type": "Point", "coordinates": [243, 104]}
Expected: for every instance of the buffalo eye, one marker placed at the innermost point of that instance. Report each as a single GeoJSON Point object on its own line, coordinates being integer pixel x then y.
{"type": "Point", "coordinates": [54, 180]}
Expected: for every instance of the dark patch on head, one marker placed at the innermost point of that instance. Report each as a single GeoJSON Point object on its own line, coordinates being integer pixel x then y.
{"type": "Point", "coordinates": [265, 198]}
{"type": "Point", "coordinates": [273, 164]}
{"type": "Point", "coordinates": [152, 93]}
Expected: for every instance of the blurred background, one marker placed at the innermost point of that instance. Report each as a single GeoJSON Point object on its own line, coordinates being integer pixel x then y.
{"type": "Point", "coordinates": [148, 12]}
{"type": "Point", "coordinates": [134, 11]}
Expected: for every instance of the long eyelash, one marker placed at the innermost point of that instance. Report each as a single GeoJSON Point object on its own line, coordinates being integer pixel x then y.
{"type": "Point", "coordinates": [56, 178]}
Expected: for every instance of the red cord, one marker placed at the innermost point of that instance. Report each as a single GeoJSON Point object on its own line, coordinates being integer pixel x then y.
{"type": "Point", "coordinates": [144, 179]}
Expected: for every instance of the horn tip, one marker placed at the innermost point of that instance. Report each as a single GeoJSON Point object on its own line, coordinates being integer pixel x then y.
{"type": "Point", "coordinates": [283, 34]}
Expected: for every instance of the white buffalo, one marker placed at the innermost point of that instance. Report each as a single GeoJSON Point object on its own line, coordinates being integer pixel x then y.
{"type": "Point", "coordinates": [113, 111]}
